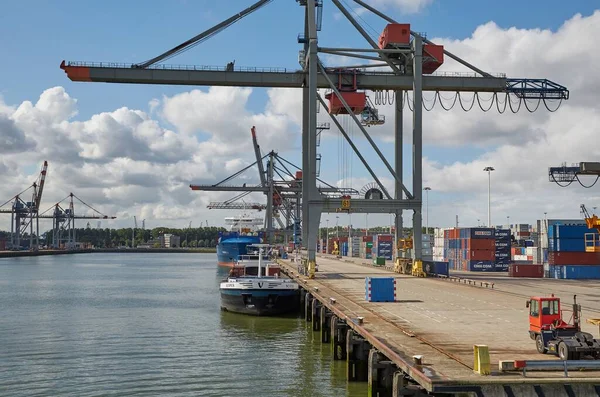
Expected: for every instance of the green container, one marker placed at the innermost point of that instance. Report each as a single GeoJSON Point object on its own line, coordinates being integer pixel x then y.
{"type": "Point", "coordinates": [379, 261]}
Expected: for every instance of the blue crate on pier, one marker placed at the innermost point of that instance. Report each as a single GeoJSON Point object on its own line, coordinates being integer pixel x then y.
{"type": "Point", "coordinates": [380, 289]}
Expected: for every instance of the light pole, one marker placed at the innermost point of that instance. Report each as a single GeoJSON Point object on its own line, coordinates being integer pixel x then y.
{"type": "Point", "coordinates": [337, 230]}
{"type": "Point", "coordinates": [327, 237]}
{"type": "Point", "coordinates": [508, 221]}
{"type": "Point", "coordinates": [489, 171]}
{"type": "Point", "coordinates": [478, 224]}
{"type": "Point", "coordinates": [427, 189]}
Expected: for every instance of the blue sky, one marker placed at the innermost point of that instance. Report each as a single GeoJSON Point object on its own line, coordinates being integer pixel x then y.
{"type": "Point", "coordinates": [37, 35]}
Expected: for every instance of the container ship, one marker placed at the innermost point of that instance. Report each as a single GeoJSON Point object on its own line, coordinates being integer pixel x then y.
{"type": "Point", "coordinates": [243, 232]}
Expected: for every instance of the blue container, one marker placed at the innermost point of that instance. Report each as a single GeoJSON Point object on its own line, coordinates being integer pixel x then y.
{"type": "Point", "coordinates": [501, 267]}
{"type": "Point", "coordinates": [529, 243]}
{"type": "Point", "coordinates": [569, 245]}
{"type": "Point", "coordinates": [502, 233]}
{"type": "Point", "coordinates": [453, 244]}
{"type": "Point", "coordinates": [571, 231]}
{"type": "Point", "coordinates": [436, 268]}
{"type": "Point", "coordinates": [380, 289]}
{"type": "Point", "coordinates": [480, 233]}
{"type": "Point", "coordinates": [502, 255]}
{"type": "Point", "coordinates": [581, 272]}
{"type": "Point", "coordinates": [502, 245]}
{"type": "Point", "coordinates": [481, 266]}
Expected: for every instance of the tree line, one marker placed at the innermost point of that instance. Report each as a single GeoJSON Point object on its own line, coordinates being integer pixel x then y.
{"type": "Point", "coordinates": [113, 238]}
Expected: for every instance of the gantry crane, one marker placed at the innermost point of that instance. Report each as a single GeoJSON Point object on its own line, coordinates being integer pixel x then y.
{"type": "Point", "coordinates": [281, 182]}
{"type": "Point", "coordinates": [564, 176]}
{"type": "Point", "coordinates": [410, 58]}
{"type": "Point", "coordinates": [63, 220]}
{"type": "Point", "coordinates": [25, 213]}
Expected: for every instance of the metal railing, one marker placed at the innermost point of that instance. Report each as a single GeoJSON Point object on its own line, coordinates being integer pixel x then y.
{"type": "Point", "coordinates": [212, 68]}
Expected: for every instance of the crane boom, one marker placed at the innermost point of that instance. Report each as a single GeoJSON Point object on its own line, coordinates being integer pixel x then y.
{"type": "Point", "coordinates": [203, 36]}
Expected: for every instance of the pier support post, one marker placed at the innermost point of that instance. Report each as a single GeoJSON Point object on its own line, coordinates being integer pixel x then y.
{"type": "Point", "coordinates": [316, 315]}
{"type": "Point", "coordinates": [325, 324]}
{"type": "Point", "coordinates": [381, 375]}
{"type": "Point", "coordinates": [308, 307]}
{"type": "Point", "coordinates": [357, 353]}
{"type": "Point", "coordinates": [302, 303]}
{"type": "Point", "coordinates": [338, 329]}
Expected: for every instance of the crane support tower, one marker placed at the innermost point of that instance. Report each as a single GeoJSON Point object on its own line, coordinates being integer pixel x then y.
{"type": "Point", "coordinates": [410, 59]}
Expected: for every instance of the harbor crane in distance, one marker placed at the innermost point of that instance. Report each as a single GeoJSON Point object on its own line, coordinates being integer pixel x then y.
{"type": "Point", "coordinates": [411, 60]}
{"type": "Point", "coordinates": [63, 220]}
{"type": "Point", "coordinates": [24, 213]}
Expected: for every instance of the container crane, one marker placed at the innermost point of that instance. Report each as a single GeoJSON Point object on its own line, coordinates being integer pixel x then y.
{"type": "Point", "coordinates": [24, 213]}
{"type": "Point", "coordinates": [592, 240]}
{"type": "Point", "coordinates": [63, 219]}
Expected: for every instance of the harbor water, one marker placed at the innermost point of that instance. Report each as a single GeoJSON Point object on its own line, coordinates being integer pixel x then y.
{"type": "Point", "coordinates": [148, 324]}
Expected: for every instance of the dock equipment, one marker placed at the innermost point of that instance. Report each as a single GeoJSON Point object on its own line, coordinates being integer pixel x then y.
{"type": "Point", "coordinates": [552, 334]}
{"type": "Point", "coordinates": [409, 59]}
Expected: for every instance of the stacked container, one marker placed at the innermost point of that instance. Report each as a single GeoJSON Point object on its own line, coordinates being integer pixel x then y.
{"type": "Point", "coordinates": [438, 245]}
{"type": "Point", "coordinates": [354, 247]}
{"type": "Point", "coordinates": [502, 254]}
{"type": "Point", "coordinates": [567, 258]}
{"type": "Point", "coordinates": [366, 247]}
{"type": "Point", "coordinates": [427, 247]}
{"type": "Point", "coordinates": [383, 246]}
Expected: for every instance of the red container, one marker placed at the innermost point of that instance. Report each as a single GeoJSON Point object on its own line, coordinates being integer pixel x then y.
{"type": "Point", "coordinates": [482, 255]}
{"type": "Point", "coordinates": [534, 271]}
{"type": "Point", "coordinates": [433, 57]}
{"type": "Point", "coordinates": [574, 258]}
{"type": "Point", "coordinates": [367, 239]}
{"type": "Point", "coordinates": [481, 244]}
{"type": "Point", "coordinates": [355, 100]}
{"type": "Point", "coordinates": [395, 33]}
{"type": "Point", "coordinates": [2, 245]}
{"type": "Point", "coordinates": [385, 237]}
{"type": "Point", "coordinates": [298, 175]}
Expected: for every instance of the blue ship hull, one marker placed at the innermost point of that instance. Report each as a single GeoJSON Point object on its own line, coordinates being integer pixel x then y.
{"type": "Point", "coordinates": [231, 246]}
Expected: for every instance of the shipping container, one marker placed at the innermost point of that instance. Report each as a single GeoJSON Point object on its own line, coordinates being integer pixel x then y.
{"type": "Point", "coordinates": [569, 245]}
{"type": "Point", "coordinates": [478, 233]}
{"type": "Point", "coordinates": [532, 271]}
{"type": "Point", "coordinates": [481, 255]}
{"type": "Point", "coordinates": [574, 258]}
{"type": "Point", "coordinates": [571, 231]}
{"type": "Point", "coordinates": [380, 289]}
{"type": "Point", "coordinates": [502, 255]}
{"type": "Point", "coordinates": [573, 272]}
{"type": "Point", "coordinates": [480, 244]}
{"type": "Point", "coordinates": [502, 233]}
{"type": "Point", "coordinates": [436, 268]}
{"type": "Point", "coordinates": [481, 266]}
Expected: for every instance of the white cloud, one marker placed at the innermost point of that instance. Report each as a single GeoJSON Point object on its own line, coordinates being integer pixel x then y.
{"type": "Point", "coordinates": [126, 163]}
{"type": "Point", "coordinates": [406, 6]}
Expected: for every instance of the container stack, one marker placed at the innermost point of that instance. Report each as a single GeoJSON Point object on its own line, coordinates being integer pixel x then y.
{"type": "Point", "coordinates": [502, 255]}
{"type": "Point", "coordinates": [567, 258]}
{"type": "Point", "coordinates": [366, 247]}
{"type": "Point", "coordinates": [354, 247]}
{"type": "Point", "coordinates": [427, 247]}
{"type": "Point", "coordinates": [383, 246]}
{"type": "Point", "coordinates": [438, 245]}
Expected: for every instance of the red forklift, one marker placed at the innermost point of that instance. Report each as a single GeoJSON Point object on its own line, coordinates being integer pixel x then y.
{"type": "Point", "coordinates": [553, 335]}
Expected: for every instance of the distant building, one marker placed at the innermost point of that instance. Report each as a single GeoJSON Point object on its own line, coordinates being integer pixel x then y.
{"type": "Point", "coordinates": [169, 241]}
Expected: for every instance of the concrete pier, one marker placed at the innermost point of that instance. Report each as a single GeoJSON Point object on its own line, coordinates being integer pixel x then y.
{"type": "Point", "coordinates": [424, 342]}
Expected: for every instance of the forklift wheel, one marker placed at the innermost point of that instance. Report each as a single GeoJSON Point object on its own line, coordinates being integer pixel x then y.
{"type": "Point", "coordinates": [539, 344]}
